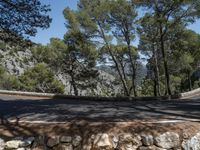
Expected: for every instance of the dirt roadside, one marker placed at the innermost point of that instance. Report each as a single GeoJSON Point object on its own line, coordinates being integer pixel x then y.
{"type": "Point", "coordinates": [85, 128]}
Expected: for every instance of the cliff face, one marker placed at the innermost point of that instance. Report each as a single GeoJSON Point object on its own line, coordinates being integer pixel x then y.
{"type": "Point", "coordinates": [17, 60]}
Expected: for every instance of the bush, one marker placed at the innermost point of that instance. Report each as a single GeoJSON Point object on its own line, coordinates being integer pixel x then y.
{"type": "Point", "coordinates": [8, 82]}
{"type": "Point", "coordinates": [40, 79]}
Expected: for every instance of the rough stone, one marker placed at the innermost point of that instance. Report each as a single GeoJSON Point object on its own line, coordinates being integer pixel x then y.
{"type": "Point", "coordinates": [102, 141]}
{"type": "Point", "coordinates": [27, 142]}
{"type": "Point", "coordinates": [153, 147]}
{"type": "Point", "coordinates": [129, 142]}
{"type": "Point", "coordinates": [115, 141]}
{"type": "Point", "coordinates": [22, 148]}
{"type": "Point", "coordinates": [14, 144]}
{"type": "Point", "coordinates": [52, 141]}
{"type": "Point", "coordinates": [63, 147]}
{"type": "Point", "coordinates": [65, 139]}
{"type": "Point", "coordinates": [2, 144]}
{"type": "Point", "coordinates": [38, 148]}
{"type": "Point", "coordinates": [193, 143]}
{"type": "Point", "coordinates": [168, 140]}
{"type": "Point", "coordinates": [147, 140]}
{"type": "Point", "coordinates": [19, 138]}
{"type": "Point", "coordinates": [77, 140]}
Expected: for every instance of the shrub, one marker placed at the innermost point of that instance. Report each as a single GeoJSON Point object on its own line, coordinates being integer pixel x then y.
{"type": "Point", "coordinates": [40, 79]}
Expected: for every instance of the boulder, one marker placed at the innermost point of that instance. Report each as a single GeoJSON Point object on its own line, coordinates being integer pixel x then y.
{"type": "Point", "coordinates": [63, 147]}
{"type": "Point", "coordinates": [129, 142]}
{"type": "Point", "coordinates": [102, 140]}
{"type": "Point", "coordinates": [168, 140]}
{"type": "Point", "coordinates": [21, 148]}
{"type": "Point", "coordinates": [115, 141]}
{"type": "Point", "coordinates": [66, 139]}
{"type": "Point", "coordinates": [77, 140]}
{"type": "Point", "coordinates": [153, 147]}
{"type": "Point", "coordinates": [52, 141]}
{"type": "Point", "coordinates": [14, 144]}
{"type": "Point", "coordinates": [147, 140]}
{"type": "Point", "coordinates": [27, 142]}
{"type": "Point", "coordinates": [192, 144]}
{"type": "Point", "coordinates": [2, 144]}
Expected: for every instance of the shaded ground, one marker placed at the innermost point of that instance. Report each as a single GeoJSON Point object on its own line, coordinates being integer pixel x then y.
{"type": "Point", "coordinates": [90, 117]}
{"type": "Point", "coordinates": [65, 110]}
{"type": "Point", "coordinates": [86, 129]}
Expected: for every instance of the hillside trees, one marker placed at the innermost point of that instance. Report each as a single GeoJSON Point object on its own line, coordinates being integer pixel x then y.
{"type": "Point", "coordinates": [123, 19]}
{"type": "Point", "coordinates": [167, 15]}
{"type": "Point", "coordinates": [21, 18]}
{"type": "Point", "coordinates": [100, 23]}
{"type": "Point", "coordinates": [40, 79]}
{"type": "Point", "coordinates": [76, 60]}
{"type": "Point", "coordinates": [149, 46]}
{"type": "Point", "coordinates": [186, 56]}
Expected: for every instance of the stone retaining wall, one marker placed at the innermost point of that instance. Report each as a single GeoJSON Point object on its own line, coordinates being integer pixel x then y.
{"type": "Point", "coordinates": [104, 141]}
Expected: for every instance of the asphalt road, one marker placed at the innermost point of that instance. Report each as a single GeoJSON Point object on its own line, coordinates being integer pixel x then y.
{"type": "Point", "coordinates": [63, 110]}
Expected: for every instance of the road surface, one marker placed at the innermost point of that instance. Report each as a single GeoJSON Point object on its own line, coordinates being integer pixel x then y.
{"type": "Point", "coordinates": [63, 110]}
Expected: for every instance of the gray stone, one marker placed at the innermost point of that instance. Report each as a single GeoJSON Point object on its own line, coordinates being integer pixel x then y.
{"type": "Point", "coordinates": [115, 141]}
{"type": "Point", "coordinates": [153, 147]}
{"type": "Point", "coordinates": [14, 144]}
{"type": "Point", "coordinates": [22, 148]}
{"type": "Point", "coordinates": [19, 138]}
{"type": "Point", "coordinates": [63, 147]}
{"type": "Point", "coordinates": [192, 144]}
{"type": "Point", "coordinates": [66, 139]}
{"type": "Point", "coordinates": [52, 141]}
{"type": "Point", "coordinates": [168, 140]}
{"type": "Point", "coordinates": [129, 142]}
{"type": "Point", "coordinates": [147, 140]}
{"type": "Point", "coordinates": [2, 144]}
{"type": "Point", "coordinates": [77, 140]}
{"type": "Point", "coordinates": [27, 142]}
{"type": "Point", "coordinates": [102, 141]}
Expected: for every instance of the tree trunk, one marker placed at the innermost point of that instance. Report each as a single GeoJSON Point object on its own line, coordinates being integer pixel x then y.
{"type": "Point", "coordinates": [133, 66]}
{"type": "Point", "coordinates": [190, 82]}
{"type": "Point", "coordinates": [156, 72]}
{"type": "Point", "coordinates": [167, 76]}
{"type": "Point", "coordinates": [155, 88]}
{"type": "Point", "coordinates": [73, 83]}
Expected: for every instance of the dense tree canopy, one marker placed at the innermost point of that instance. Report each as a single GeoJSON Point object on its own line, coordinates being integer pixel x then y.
{"type": "Point", "coordinates": [21, 18]}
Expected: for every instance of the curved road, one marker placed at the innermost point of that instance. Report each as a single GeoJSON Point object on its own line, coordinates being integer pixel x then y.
{"type": "Point", "coordinates": [63, 110]}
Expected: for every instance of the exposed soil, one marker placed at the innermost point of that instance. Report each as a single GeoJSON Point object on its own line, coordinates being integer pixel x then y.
{"type": "Point", "coordinates": [84, 128]}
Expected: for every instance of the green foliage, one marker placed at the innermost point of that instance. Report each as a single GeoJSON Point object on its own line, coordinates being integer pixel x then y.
{"type": "Point", "coordinates": [197, 84]}
{"type": "Point", "coordinates": [8, 82]}
{"type": "Point", "coordinates": [22, 18]}
{"type": "Point", "coordinates": [147, 88]}
{"type": "Point", "coordinates": [40, 79]}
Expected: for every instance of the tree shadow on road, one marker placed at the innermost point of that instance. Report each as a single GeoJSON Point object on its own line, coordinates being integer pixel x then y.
{"type": "Point", "coordinates": [73, 111]}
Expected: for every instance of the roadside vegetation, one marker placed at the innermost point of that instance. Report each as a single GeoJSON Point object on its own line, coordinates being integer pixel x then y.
{"type": "Point", "coordinates": [100, 36]}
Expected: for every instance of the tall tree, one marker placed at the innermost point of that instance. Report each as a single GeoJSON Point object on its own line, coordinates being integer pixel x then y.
{"type": "Point", "coordinates": [93, 17]}
{"type": "Point", "coordinates": [121, 54]}
{"type": "Point", "coordinates": [80, 59]}
{"type": "Point", "coordinates": [149, 46]}
{"type": "Point", "coordinates": [99, 22]}
{"type": "Point", "coordinates": [123, 19]}
{"type": "Point", "coordinates": [168, 14]}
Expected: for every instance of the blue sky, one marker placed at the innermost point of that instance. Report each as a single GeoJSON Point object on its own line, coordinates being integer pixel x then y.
{"type": "Point", "coordinates": [57, 28]}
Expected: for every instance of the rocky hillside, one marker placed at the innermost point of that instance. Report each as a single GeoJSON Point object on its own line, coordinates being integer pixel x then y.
{"type": "Point", "coordinates": [16, 60]}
